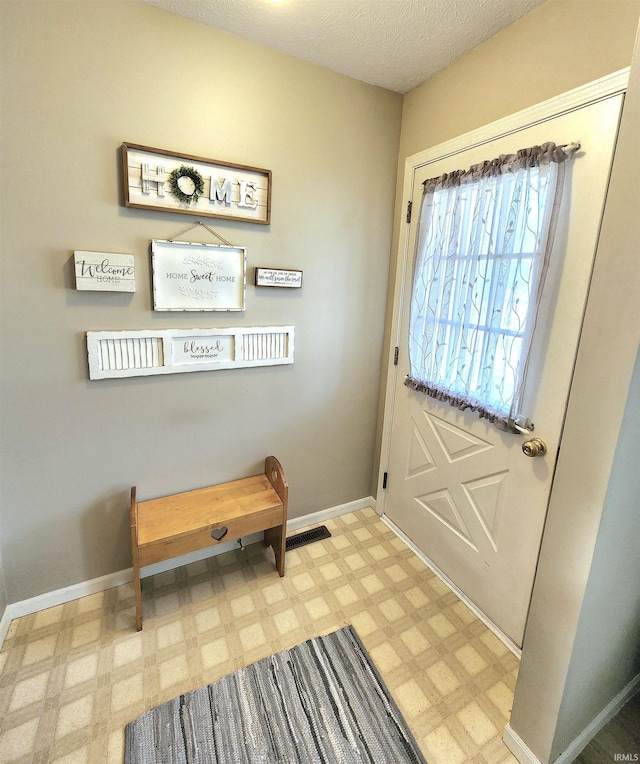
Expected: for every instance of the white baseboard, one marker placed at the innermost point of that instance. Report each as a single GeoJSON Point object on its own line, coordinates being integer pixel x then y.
{"type": "Point", "coordinates": [323, 515]}
{"type": "Point", "coordinates": [518, 747]}
{"type": "Point", "coordinates": [5, 622]}
{"type": "Point", "coordinates": [460, 594]}
{"type": "Point", "coordinates": [605, 716]}
{"type": "Point", "coordinates": [68, 593]}
{"type": "Point", "coordinates": [523, 753]}
{"type": "Point", "coordinates": [82, 589]}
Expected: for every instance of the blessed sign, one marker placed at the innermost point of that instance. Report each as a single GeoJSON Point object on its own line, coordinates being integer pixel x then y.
{"type": "Point", "coordinates": [104, 271]}
{"type": "Point", "coordinates": [214, 348]}
{"type": "Point", "coordinates": [161, 180]}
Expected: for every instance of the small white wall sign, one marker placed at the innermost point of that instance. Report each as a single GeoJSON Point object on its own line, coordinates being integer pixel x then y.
{"type": "Point", "coordinates": [162, 180]}
{"type": "Point", "coordinates": [192, 276]}
{"type": "Point", "coordinates": [272, 277]}
{"type": "Point", "coordinates": [104, 271]}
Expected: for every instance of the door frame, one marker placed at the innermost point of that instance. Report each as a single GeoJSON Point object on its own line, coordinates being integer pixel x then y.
{"type": "Point", "coordinates": [572, 100]}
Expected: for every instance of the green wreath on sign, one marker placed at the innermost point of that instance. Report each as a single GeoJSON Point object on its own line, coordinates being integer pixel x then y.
{"type": "Point", "coordinates": [186, 172]}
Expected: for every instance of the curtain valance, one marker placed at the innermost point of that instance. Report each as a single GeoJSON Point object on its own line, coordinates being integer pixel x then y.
{"type": "Point", "coordinates": [523, 159]}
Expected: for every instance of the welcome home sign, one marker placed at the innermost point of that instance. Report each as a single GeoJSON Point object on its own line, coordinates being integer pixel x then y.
{"type": "Point", "coordinates": [163, 180]}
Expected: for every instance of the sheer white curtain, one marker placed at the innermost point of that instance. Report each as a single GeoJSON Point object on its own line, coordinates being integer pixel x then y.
{"type": "Point", "coordinates": [482, 251]}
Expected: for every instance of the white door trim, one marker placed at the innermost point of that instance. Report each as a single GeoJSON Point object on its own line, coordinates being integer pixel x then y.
{"type": "Point", "coordinates": [577, 98]}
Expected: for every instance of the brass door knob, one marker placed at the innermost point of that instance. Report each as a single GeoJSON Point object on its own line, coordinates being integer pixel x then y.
{"type": "Point", "coordinates": [534, 447]}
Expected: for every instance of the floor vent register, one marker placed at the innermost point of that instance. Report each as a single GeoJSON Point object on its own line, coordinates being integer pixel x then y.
{"type": "Point", "coordinates": [308, 537]}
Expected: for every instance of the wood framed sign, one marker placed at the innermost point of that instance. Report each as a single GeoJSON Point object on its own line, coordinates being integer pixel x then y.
{"type": "Point", "coordinates": [162, 180]}
{"type": "Point", "coordinates": [191, 276]}
{"type": "Point", "coordinates": [104, 271]}
{"type": "Point", "coordinates": [148, 352]}
{"type": "Point", "coordinates": [272, 277]}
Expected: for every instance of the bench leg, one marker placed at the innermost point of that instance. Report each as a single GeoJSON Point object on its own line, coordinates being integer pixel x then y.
{"type": "Point", "coordinates": [276, 538]}
{"type": "Point", "coordinates": [135, 557]}
{"type": "Point", "coordinates": [138, 592]}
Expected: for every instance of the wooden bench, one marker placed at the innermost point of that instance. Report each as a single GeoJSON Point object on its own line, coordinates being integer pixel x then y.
{"type": "Point", "coordinates": [186, 522]}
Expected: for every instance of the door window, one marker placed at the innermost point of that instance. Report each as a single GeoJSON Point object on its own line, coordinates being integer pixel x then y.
{"type": "Point", "coordinates": [482, 250]}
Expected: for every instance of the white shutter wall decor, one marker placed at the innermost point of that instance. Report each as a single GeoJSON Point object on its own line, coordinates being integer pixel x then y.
{"type": "Point", "coordinates": [173, 351]}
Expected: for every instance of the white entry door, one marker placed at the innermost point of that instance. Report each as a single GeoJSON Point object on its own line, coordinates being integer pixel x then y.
{"type": "Point", "coordinates": [461, 490]}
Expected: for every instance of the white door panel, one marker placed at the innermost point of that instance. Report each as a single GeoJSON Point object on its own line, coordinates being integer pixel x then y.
{"type": "Point", "coordinates": [460, 489]}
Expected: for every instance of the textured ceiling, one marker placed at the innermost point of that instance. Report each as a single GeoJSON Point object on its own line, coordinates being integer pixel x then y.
{"type": "Point", "coordinates": [396, 44]}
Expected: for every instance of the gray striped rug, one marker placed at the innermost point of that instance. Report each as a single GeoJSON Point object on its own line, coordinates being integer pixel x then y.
{"type": "Point", "coordinates": [322, 702]}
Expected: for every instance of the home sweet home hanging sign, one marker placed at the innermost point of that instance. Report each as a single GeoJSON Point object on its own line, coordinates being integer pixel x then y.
{"type": "Point", "coordinates": [192, 276]}
{"type": "Point", "coordinates": [162, 180]}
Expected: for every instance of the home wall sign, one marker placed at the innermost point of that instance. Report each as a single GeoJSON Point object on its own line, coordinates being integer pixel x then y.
{"type": "Point", "coordinates": [162, 180]}
{"type": "Point", "coordinates": [192, 276]}
{"type": "Point", "coordinates": [173, 351]}
{"type": "Point", "coordinates": [272, 277]}
{"type": "Point", "coordinates": [104, 271]}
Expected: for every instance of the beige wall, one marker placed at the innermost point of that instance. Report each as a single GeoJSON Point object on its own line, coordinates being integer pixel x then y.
{"type": "Point", "coordinates": [582, 646]}
{"type": "Point", "coordinates": [559, 46]}
{"type": "Point", "coordinates": [78, 78]}
{"type": "Point", "coordinates": [605, 656]}
{"type": "Point", "coordinates": [3, 591]}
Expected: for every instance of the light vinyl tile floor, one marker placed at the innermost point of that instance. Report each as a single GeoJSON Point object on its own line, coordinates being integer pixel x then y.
{"type": "Point", "coordinates": [72, 676]}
